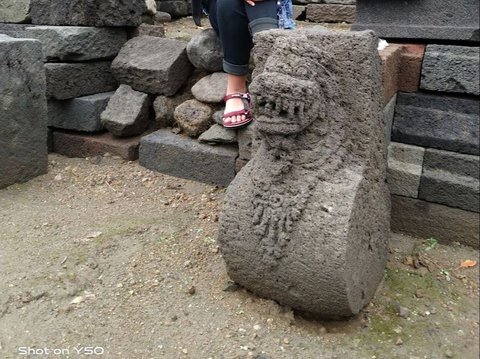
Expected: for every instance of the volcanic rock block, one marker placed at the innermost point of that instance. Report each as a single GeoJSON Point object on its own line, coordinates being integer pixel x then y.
{"type": "Point", "coordinates": [184, 157]}
{"type": "Point", "coordinates": [205, 52]}
{"type": "Point", "coordinates": [70, 80]}
{"type": "Point", "coordinates": [23, 111]}
{"type": "Point", "coordinates": [218, 134]}
{"type": "Point", "coordinates": [88, 12]}
{"type": "Point", "coordinates": [149, 30]}
{"type": "Point", "coordinates": [451, 69]}
{"type": "Point", "coordinates": [81, 113]}
{"type": "Point", "coordinates": [153, 65]}
{"type": "Point", "coordinates": [443, 122]}
{"type": "Point", "coordinates": [211, 88]}
{"type": "Point", "coordinates": [306, 221]}
{"type": "Point", "coordinates": [13, 30]}
{"type": "Point", "coordinates": [426, 19]}
{"type": "Point", "coordinates": [127, 112]}
{"type": "Point", "coordinates": [452, 179]}
{"type": "Point", "coordinates": [164, 108]}
{"type": "Point", "coordinates": [15, 11]}
{"type": "Point", "coordinates": [176, 8]}
{"type": "Point", "coordinates": [404, 169]}
{"type": "Point", "coordinates": [193, 117]}
{"type": "Point", "coordinates": [75, 43]}
{"type": "Point", "coordinates": [330, 13]}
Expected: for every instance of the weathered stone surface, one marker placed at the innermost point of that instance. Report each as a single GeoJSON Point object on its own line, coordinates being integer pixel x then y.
{"type": "Point", "coordinates": [451, 69]}
{"type": "Point", "coordinates": [330, 13]}
{"type": "Point", "coordinates": [153, 65]}
{"type": "Point", "coordinates": [149, 30]}
{"type": "Point", "coordinates": [164, 108]}
{"type": "Point", "coordinates": [81, 114]}
{"type": "Point", "coordinates": [306, 221]}
{"type": "Point", "coordinates": [162, 17]}
{"type": "Point", "coordinates": [13, 30]}
{"type": "Point", "coordinates": [343, 2]}
{"type": "Point", "coordinates": [193, 117]}
{"type": "Point", "coordinates": [151, 7]}
{"type": "Point", "coordinates": [217, 116]}
{"type": "Point", "coordinates": [70, 80]}
{"type": "Point", "coordinates": [248, 142]}
{"type": "Point", "coordinates": [176, 8]}
{"type": "Point", "coordinates": [426, 220]}
{"type": "Point", "coordinates": [205, 51]}
{"type": "Point", "coordinates": [211, 88]}
{"type": "Point", "coordinates": [74, 144]}
{"type": "Point", "coordinates": [218, 134]}
{"type": "Point", "coordinates": [388, 114]}
{"type": "Point", "coordinates": [23, 111]}
{"type": "Point", "coordinates": [76, 43]}
{"type": "Point", "coordinates": [426, 19]}
{"type": "Point", "coordinates": [404, 169]}
{"type": "Point", "coordinates": [437, 121]}
{"type": "Point", "coordinates": [15, 11]}
{"type": "Point", "coordinates": [184, 157]}
{"type": "Point", "coordinates": [452, 179]}
{"type": "Point", "coordinates": [127, 112]}
{"type": "Point", "coordinates": [299, 12]}
{"type": "Point", "coordinates": [88, 12]}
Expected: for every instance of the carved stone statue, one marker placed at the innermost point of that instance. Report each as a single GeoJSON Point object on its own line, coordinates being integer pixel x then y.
{"type": "Point", "coordinates": [306, 221]}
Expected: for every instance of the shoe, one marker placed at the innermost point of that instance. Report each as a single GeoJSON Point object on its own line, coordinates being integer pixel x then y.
{"type": "Point", "coordinates": [247, 110]}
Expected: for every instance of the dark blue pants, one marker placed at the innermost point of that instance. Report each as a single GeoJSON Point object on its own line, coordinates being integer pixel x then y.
{"type": "Point", "coordinates": [235, 23]}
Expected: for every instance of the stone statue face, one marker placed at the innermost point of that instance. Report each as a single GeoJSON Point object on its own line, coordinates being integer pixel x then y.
{"type": "Point", "coordinates": [288, 93]}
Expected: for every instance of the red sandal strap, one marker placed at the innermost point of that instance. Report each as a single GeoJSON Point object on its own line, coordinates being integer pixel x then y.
{"type": "Point", "coordinates": [245, 96]}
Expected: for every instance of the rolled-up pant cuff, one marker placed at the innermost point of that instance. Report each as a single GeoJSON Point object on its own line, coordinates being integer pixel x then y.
{"type": "Point", "coordinates": [262, 24]}
{"type": "Point", "coordinates": [239, 70]}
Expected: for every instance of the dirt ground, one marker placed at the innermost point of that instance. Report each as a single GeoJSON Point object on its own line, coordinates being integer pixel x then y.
{"type": "Point", "coordinates": [102, 257]}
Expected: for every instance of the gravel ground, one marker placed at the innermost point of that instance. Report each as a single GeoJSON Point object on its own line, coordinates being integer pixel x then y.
{"type": "Point", "coordinates": [102, 255]}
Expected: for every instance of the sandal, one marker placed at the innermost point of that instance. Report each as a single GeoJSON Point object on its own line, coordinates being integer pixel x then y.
{"type": "Point", "coordinates": [247, 110]}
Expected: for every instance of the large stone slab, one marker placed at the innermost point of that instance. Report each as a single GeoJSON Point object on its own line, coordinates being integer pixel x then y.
{"type": "Point", "coordinates": [426, 220]}
{"type": "Point", "coordinates": [153, 65]}
{"type": "Point", "coordinates": [70, 80]}
{"type": "Point", "coordinates": [438, 121]}
{"type": "Point", "coordinates": [306, 221]}
{"type": "Point", "coordinates": [330, 13]}
{"type": "Point", "coordinates": [78, 43]}
{"type": "Point", "coordinates": [184, 157]}
{"type": "Point", "coordinates": [423, 20]}
{"type": "Point", "coordinates": [451, 69]}
{"type": "Point", "coordinates": [23, 111]}
{"type": "Point", "coordinates": [81, 113]}
{"type": "Point", "coordinates": [88, 12]}
{"type": "Point", "coordinates": [404, 169]}
{"type": "Point", "coordinates": [15, 11]}
{"type": "Point", "coordinates": [452, 179]}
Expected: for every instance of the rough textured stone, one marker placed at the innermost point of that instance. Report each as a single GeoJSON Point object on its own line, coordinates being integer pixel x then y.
{"type": "Point", "coordinates": [153, 65]}
{"type": "Point", "coordinates": [127, 112]}
{"type": "Point", "coordinates": [452, 179]}
{"type": "Point", "coordinates": [88, 12]}
{"type": "Point", "coordinates": [184, 157]}
{"type": "Point", "coordinates": [217, 116]}
{"type": "Point", "coordinates": [330, 13]}
{"type": "Point", "coordinates": [248, 142]}
{"type": "Point", "coordinates": [218, 134]}
{"type": "Point", "coordinates": [306, 221]}
{"type": "Point", "coordinates": [75, 43]}
{"type": "Point", "coordinates": [81, 114]}
{"type": "Point", "coordinates": [211, 88]}
{"type": "Point", "coordinates": [74, 144]}
{"type": "Point", "coordinates": [14, 30]}
{"type": "Point", "coordinates": [391, 57]}
{"type": "Point", "coordinates": [426, 220]}
{"type": "Point", "coordinates": [23, 111]}
{"type": "Point", "coordinates": [164, 108]}
{"type": "Point", "coordinates": [162, 17]}
{"type": "Point", "coordinates": [451, 69]}
{"type": "Point", "coordinates": [176, 8]}
{"type": "Point", "coordinates": [205, 51]}
{"type": "Point", "coordinates": [193, 117]}
{"type": "Point", "coordinates": [388, 114]}
{"type": "Point", "coordinates": [151, 7]}
{"type": "Point", "coordinates": [70, 80]}
{"type": "Point", "coordinates": [437, 121]}
{"type": "Point", "coordinates": [149, 30]}
{"type": "Point", "coordinates": [15, 11]}
{"type": "Point", "coordinates": [426, 19]}
{"type": "Point", "coordinates": [404, 169]}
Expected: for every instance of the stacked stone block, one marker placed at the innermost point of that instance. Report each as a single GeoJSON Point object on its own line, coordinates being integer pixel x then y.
{"type": "Point", "coordinates": [434, 156]}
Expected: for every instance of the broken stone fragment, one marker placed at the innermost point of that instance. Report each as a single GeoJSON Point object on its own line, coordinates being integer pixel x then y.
{"type": "Point", "coordinates": [193, 117]}
{"type": "Point", "coordinates": [218, 134]}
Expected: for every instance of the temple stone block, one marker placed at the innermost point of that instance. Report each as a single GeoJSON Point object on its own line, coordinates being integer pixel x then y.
{"type": "Point", "coordinates": [404, 169]}
{"type": "Point", "coordinates": [306, 222]}
{"type": "Point", "coordinates": [23, 111]}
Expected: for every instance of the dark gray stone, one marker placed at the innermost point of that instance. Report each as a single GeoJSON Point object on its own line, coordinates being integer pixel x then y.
{"type": "Point", "coordinates": [426, 220]}
{"type": "Point", "coordinates": [451, 69]}
{"type": "Point", "coordinates": [127, 112]}
{"type": "Point", "coordinates": [14, 30]}
{"type": "Point", "coordinates": [423, 20]}
{"type": "Point", "coordinates": [388, 114]}
{"type": "Point", "coordinates": [149, 30]}
{"type": "Point", "coordinates": [162, 17]}
{"type": "Point", "coordinates": [218, 134]}
{"type": "Point", "coordinates": [443, 122]}
{"type": "Point", "coordinates": [183, 157]}
{"type": "Point", "coordinates": [217, 116]}
{"type": "Point", "coordinates": [404, 169]}
{"type": "Point", "coordinates": [153, 65]}
{"type": "Point", "coordinates": [15, 11]}
{"type": "Point", "coordinates": [75, 43]}
{"type": "Point", "coordinates": [211, 88]}
{"type": "Point", "coordinates": [23, 111]}
{"type": "Point", "coordinates": [81, 114]}
{"type": "Point", "coordinates": [88, 12]}
{"type": "Point", "coordinates": [70, 80]}
{"type": "Point", "coordinates": [330, 13]}
{"type": "Point", "coordinates": [164, 108]}
{"type": "Point", "coordinates": [306, 221]}
{"type": "Point", "coordinates": [205, 51]}
{"type": "Point", "coordinates": [343, 2]}
{"type": "Point", "coordinates": [452, 179]}
{"type": "Point", "coordinates": [176, 8]}
{"type": "Point", "coordinates": [193, 117]}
